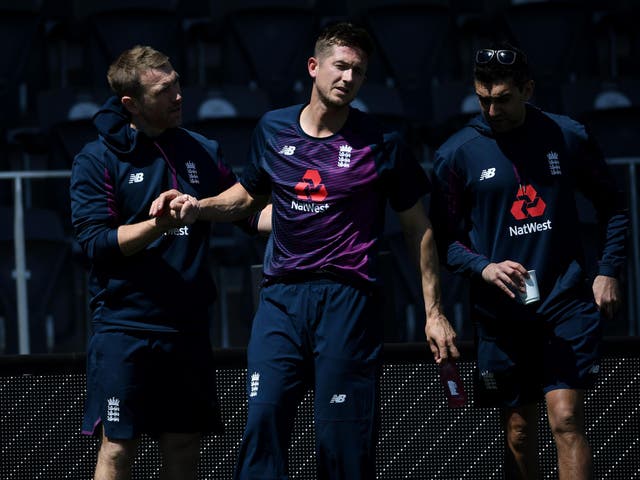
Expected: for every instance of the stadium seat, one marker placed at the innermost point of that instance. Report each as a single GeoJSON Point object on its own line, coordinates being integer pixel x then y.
{"type": "Point", "coordinates": [475, 30]}
{"type": "Point", "coordinates": [22, 60]}
{"type": "Point", "coordinates": [412, 42]}
{"type": "Point", "coordinates": [558, 39]}
{"type": "Point", "coordinates": [65, 117]}
{"type": "Point", "coordinates": [616, 29]}
{"type": "Point", "coordinates": [454, 104]}
{"type": "Point", "coordinates": [227, 100]}
{"type": "Point", "coordinates": [452, 100]}
{"type": "Point", "coordinates": [385, 103]}
{"type": "Point", "coordinates": [70, 104]}
{"type": "Point", "coordinates": [266, 44]}
{"type": "Point", "coordinates": [590, 94]}
{"type": "Point", "coordinates": [115, 26]}
{"type": "Point", "coordinates": [50, 283]}
{"type": "Point", "coordinates": [616, 130]}
{"type": "Point", "coordinates": [233, 134]}
{"type": "Point", "coordinates": [228, 114]}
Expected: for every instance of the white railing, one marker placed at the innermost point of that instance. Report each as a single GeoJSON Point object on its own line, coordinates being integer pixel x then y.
{"type": "Point", "coordinates": [19, 247]}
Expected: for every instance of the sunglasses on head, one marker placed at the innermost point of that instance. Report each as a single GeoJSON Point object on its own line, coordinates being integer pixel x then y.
{"type": "Point", "coordinates": [505, 57]}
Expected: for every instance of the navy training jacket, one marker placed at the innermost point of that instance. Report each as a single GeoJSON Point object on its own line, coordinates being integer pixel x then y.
{"type": "Point", "coordinates": [167, 286]}
{"type": "Point", "coordinates": [512, 197]}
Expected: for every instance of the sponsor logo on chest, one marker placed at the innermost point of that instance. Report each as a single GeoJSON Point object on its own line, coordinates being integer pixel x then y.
{"type": "Point", "coordinates": [310, 193]}
{"type": "Point", "coordinates": [528, 206]}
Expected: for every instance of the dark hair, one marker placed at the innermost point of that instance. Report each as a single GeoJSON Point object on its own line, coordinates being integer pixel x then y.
{"type": "Point", "coordinates": [494, 71]}
{"type": "Point", "coordinates": [343, 34]}
{"type": "Point", "coordinates": [124, 73]}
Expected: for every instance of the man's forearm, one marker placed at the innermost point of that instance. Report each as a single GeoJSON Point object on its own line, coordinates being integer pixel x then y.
{"type": "Point", "coordinates": [421, 245]}
{"type": "Point", "coordinates": [135, 237]}
{"type": "Point", "coordinates": [233, 204]}
{"type": "Point", "coordinates": [430, 274]}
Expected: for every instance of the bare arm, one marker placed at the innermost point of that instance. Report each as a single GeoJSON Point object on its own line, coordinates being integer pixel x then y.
{"type": "Point", "coordinates": [419, 234]}
{"type": "Point", "coordinates": [233, 204]}
{"type": "Point", "coordinates": [264, 222]}
{"type": "Point", "coordinates": [135, 237]}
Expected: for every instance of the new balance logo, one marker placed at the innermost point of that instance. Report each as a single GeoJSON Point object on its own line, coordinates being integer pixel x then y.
{"type": "Point", "coordinates": [338, 398]}
{"type": "Point", "coordinates": [287, 150]}
{"type": "Point", "coordinates": [487, 173]}
{"type": "Point", "coordinates": [136, 177]}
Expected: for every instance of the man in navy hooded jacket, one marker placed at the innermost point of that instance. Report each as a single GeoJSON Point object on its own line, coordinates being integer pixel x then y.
{"type": "Point", "coordinates": [149, 365]}
{"type": "Point", "coordinates": [507, 184]}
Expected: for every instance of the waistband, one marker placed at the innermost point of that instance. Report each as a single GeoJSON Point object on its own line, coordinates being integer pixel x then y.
{"type": "Point", "coordinates": [314, 276]}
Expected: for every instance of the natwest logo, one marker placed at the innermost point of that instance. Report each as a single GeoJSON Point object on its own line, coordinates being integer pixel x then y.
{"type": "Point", "coordinates": [311, 188]}
{"type": "Point", "coordinates": [528, 204]}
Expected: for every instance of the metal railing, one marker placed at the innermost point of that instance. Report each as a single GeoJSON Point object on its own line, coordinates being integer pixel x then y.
{"type": "Point", "coordinates": [22, 304]}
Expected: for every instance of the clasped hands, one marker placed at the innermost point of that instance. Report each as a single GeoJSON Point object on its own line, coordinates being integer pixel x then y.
{"type": "Point", "coordinates": [177, 205]}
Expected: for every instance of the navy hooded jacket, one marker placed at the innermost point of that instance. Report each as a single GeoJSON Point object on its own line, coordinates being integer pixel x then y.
{"type": "Point", "coordinates": [167, 286]}
{"type": "Point", "coordinates": [512, 196]}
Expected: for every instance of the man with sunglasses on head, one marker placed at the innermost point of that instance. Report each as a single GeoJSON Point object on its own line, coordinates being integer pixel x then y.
{"type": "Point", "coordinates": [505, 196]}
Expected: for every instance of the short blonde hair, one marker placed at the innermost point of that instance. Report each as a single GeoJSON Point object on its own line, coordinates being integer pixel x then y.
{"type": "Point", "coordinates": [124, 73]}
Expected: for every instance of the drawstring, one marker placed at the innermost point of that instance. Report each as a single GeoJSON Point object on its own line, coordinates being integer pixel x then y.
{"type": "Point", "coordinates": [174, 175]}
{"type": "Point", "coordinates": [522, 189]}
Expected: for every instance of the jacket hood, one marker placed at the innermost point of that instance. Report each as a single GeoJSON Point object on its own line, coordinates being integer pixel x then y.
{"type": "Point", "coordinates": [113, 122]}
{"type": "Point", "coordinates": [480, 124]}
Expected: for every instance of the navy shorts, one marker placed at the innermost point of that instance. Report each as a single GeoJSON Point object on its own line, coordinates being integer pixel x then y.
{"type": "Point", "coordinates": [523, 355]}
{"type": "Point", "coordinates": [150, 383]}
{"type": "Point", "coordinates": [327, 336]}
